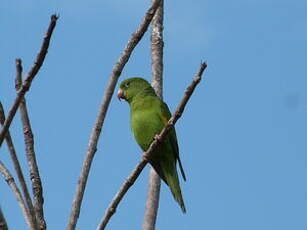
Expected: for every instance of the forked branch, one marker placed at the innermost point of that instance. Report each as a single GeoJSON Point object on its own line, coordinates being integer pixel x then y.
{"type": "Point", "coordinates": [31, 75]}
{"type": "Point", "coordinates": [92, 145]}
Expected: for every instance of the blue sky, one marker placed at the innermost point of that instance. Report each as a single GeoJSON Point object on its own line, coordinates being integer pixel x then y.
{"type": "Point", "coordinates": [242, 136]}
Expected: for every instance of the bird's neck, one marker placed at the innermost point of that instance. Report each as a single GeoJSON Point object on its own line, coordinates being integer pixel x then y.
{"type": "Point", "coordinates": [143, 100]}
{"type": "Point", "coordinates": [148, 91]}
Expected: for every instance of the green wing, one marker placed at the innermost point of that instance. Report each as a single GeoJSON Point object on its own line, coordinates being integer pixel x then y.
{"type": "Point", "coordinates": [165, 115]}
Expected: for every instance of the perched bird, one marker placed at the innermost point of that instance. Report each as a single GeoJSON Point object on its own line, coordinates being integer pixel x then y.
{"type": "Point", "coordinates": [149, 114]}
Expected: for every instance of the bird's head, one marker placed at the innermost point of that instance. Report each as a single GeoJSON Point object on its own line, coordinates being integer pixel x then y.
{"type": "Point", "coordinates": [131, 87]}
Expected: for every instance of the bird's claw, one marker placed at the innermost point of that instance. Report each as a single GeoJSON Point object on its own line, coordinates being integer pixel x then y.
{"type": "Point", "coordinates": [145, 157]}
{"type": "Point", "coordinates": [157, 138]}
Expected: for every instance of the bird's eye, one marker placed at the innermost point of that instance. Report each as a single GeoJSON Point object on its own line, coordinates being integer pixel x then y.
{"type": "Point", "coordinates": [127, 84]}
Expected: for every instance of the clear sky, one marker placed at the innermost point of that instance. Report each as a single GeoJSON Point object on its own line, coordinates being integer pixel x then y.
{"type": "Point", "coordinates": [243, 134]}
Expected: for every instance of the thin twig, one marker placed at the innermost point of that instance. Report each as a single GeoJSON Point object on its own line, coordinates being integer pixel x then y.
{"type": "Point", "coordinates": [11, 182]}
{"type": "Point", "coordinates": [27, 83]}
{"type": "Point", "coordinates": [37, 187]}
{"type": "Point", "coordinates": [147, 155]}
{"type": "Point", "coordinates": [92, 145]}
{"type": "Point", "coordinates": [154, 182]}
{"type": "Point", "coordinates": [18, 169]}
{"type": "Point", "coordinates": [3, 224]}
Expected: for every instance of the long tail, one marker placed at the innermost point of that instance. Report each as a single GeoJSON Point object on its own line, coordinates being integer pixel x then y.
{"type": "Point", "coordinates": [172, 180]}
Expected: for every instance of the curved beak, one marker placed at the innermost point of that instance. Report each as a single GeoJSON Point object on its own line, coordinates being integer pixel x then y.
{"type": "Point", "coordinates": [120, 94]}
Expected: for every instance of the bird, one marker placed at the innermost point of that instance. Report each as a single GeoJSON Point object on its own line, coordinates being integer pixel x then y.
{"type": "Point", "coordinates": [148, 115]}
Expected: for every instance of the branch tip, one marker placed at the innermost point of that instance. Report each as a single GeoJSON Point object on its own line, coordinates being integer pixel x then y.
{"type": "Point", "coordinates": [30, 76]}
{"type": "Point", "coordinates": [203, 66]}
{"type": "Point", "coordinates": [55, 17]}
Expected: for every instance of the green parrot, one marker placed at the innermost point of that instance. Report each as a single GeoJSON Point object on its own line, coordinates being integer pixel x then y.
{"type": "Point", "coordinates": [148, 115]}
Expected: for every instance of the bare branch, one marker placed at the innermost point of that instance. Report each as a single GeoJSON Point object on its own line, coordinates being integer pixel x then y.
{"type": "Point", "coordinates": [32, 73]}
{"type": "Point", "coordinates": [11, 182]}
{"type": "Point", "coordinates": [147, 155]}
{"type": "Point", "coordinates": [18, 169]}
{"type": "Point", "coordinates": [3, 224]}
{"type": "Point", "coordinates": [157, 45]}
{"type": "Point", "coordinates": [121, 192]}
{"type": "Point", "coordinates": [152, 202]}
{"type": "Point", "coordinates": [92, 145]}
{"type": "Point", "coordinates": [30, 154]}
{"type": "Point", "coordinates": [154, 183]}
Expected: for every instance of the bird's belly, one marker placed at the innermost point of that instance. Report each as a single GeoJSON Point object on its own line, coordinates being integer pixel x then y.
{"type": "Point", "coordinates": [144, 130]}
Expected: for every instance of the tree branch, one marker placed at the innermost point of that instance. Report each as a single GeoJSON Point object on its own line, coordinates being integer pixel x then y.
{"type": "Point", "coordinates": [154, 182]}
{"type": "Point", "coordinates": [92, 145]}
{"type": "Point", "coordinates": [30, 153]}
{"type": "Point", "coordinates": [147, 155]}
{"type": "Point", "coordinates": [3, 224]}
{"type": "Point", "coordinates": [11, 182]}
{"type": "Point", "coordinates": [18, 169]}
{"type": "Point", "coordinates": [157, 45]}
{"type": "Point", "coordinates": [152, 202]}
{"type": "Point", "coordinates": [27, 83]}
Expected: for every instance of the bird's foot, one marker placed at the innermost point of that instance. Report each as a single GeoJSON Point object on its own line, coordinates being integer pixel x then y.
{"type": "Point", "coordinates": [145, 157]}
{"type": "Point", "coordinates": [158, 138]}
